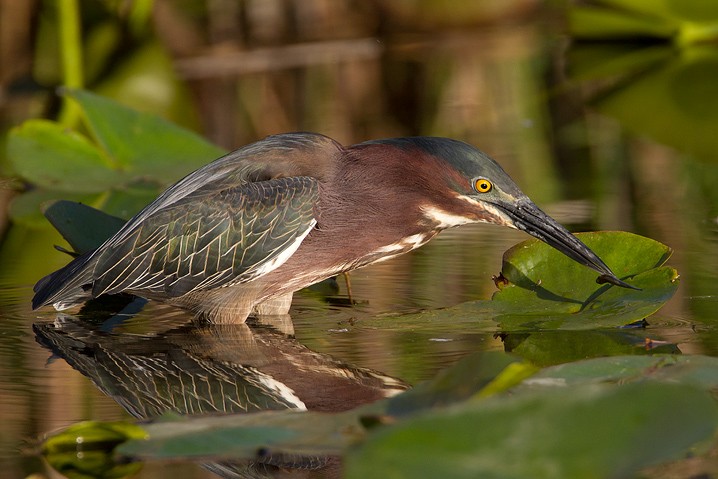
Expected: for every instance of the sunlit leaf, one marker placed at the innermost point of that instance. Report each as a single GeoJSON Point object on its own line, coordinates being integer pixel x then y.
{"type": "Point", "coordinates": [139, 153]}
{"type": "Point", "coordinates": [142, 143]}
{"type": "Point", "coordinates": [463, 380]}
{"type": "Point", "coordinates": [127, 200]}
{"type": "Point", "coordinates": [589, 431]}
{"type": "Point", "coordinates": [548, 290]}
{"type": "Point", "coordinates": [92, 435]}
{"type": "Point", "coordinates": [536, 266]}
{"type": "Point", "coordinates": [683, 22]}
{"type": "Point", "coordinates": [92, 465]}
{"type": "Point", "coordinates": [85, 449]}
{"type": "Point", "coordinates": [54, 157]}
{"type": "Point", "coordinates": [27, 208]}
{"type": "Point", "coordinates": [606, 307]}
{"type": "Point", "coordinates": [598, 23]}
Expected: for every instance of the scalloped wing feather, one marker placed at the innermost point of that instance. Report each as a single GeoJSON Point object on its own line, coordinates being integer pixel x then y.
{"type": "Point", "coordinates": [232, 237]}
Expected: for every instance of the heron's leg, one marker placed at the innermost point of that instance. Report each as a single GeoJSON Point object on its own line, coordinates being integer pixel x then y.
{"type": "Point", "coordinates": [273, 306]}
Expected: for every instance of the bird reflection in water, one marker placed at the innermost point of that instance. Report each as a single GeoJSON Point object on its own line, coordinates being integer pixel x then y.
{"type": "Point", "coordinates": [192, 369]}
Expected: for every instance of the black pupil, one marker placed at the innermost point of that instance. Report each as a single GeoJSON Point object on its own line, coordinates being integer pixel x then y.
{"type": "Point", "coordinates": [483, 185]}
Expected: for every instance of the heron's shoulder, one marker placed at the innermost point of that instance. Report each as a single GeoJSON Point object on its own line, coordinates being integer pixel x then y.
{"type": "Point", "coordinates": [279, 156]}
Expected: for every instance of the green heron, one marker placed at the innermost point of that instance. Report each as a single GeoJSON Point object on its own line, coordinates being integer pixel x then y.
{"type": "Point", "coordinates": [241, 234]}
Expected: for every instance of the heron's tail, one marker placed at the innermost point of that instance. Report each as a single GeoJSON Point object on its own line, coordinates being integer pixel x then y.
{"type": "Point", "coordinates": [67, 286]}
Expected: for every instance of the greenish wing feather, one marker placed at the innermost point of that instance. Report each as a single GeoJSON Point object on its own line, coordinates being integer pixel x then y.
{"type": "Point", "coordinates": [210, 240]}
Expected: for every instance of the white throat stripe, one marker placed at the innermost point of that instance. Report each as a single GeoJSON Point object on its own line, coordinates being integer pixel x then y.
{"type": "Point", "coordinates": [444, 219]}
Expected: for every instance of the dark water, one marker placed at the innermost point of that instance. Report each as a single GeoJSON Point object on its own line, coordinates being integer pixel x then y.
{"type": "Point", "coordinates": [627, 158]}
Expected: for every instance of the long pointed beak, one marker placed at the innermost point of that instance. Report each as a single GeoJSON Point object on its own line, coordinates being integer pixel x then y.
{"type": "Point", "coordinates": [527, 217]}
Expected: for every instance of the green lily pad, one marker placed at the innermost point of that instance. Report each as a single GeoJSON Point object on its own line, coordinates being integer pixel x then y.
{"type": "Point", "coordinates": [56, 158]}
{"type": "Point", "coordinates": [550, 291]}
{"type": "Point", "coordinates": [466, 378]}
{"type": "Point", "coordinates": [247, 436]}
{"type": "Point", "coordinates": [534, 265]}
{"type": "Point", "coordinates": [694, 370]}
{"type": "Point", "coordinates": [607, 417]}
{"type": "Point", "coordinates": [92, 435]}
{"type": "Point", "coordinates": [587, 431]}
{"type": "Point", "coordinates": [144, 144]}
{"type": "Point", "coordinates": [85, 450]}
{"type": "Point", "coordinates": [546, 348]}
{"type": "Point", "coordinates": [135, 155]}
{"type": "Point", "coordinates": [26, 209]}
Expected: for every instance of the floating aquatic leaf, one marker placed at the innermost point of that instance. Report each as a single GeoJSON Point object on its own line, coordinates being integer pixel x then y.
{"type": "Point", "coordinates": [470, 376]}
{"type": "Point", "coordinates": [606, 417]}
{"type": "Point", "coordinates": [144, 144]}
{"type": "Point", "coordinates": [26, 208]}
{"type": "Point", "coordinates": [134, 156]}
{"type": "Point", "coordinates": [695, 370]}
{"type": "Point", "coordinates": [546, 348]}
{"type": "Point", "coordinates": [550, 291]}
{"type": "Point", "coordinates": [92, 435]}
{"type": "Point", "coordinates": [587, 431]}
{"type": "Point", "coordinates": [60, 159]}
{"type": "Point", "coordinates": [86, 450]}
{"type": "Point", "coordinates": [248, 436]}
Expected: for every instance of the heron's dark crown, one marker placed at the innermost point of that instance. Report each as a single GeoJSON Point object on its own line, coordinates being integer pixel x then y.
{"type": "Point", "coordinates": [466, 160]}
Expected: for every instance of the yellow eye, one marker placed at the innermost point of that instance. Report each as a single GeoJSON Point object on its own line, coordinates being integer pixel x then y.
{"type": "Point", "coordinates": [482, 185]}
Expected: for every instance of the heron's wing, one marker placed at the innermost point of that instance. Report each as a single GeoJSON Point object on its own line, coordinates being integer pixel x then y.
{"type": "Point", "coordinates": [277, 156]}
{"type": "Point", "coordinates": [214, 238]}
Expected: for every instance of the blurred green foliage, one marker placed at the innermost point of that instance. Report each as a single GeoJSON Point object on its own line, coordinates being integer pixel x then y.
{"type": "Point", "coordinates": [659, 60]}
{"type": "Point", "coordinates": [680, 21]}
{"type": "Point", "coordinates": [122, 163]}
